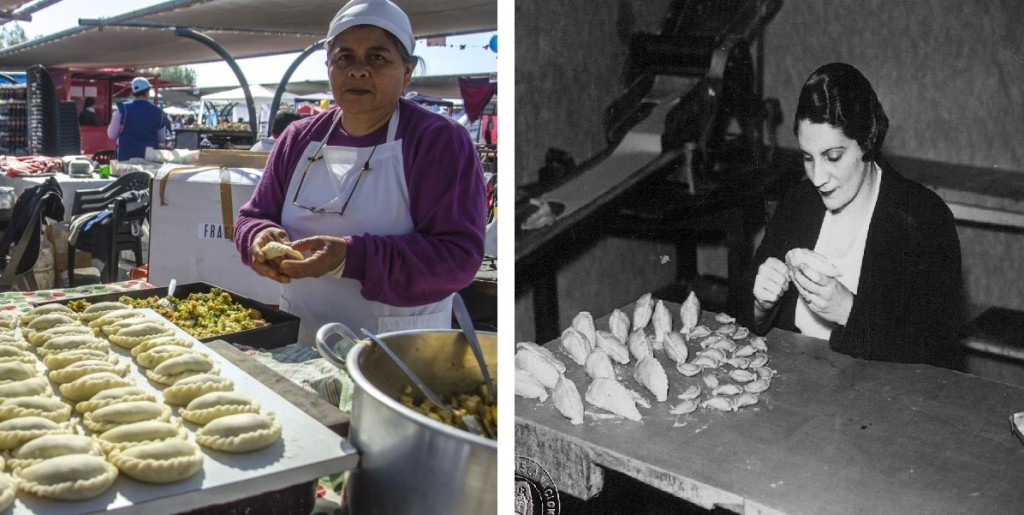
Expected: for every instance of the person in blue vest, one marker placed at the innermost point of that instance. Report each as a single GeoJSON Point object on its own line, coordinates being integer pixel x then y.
{"type": "Point", "coordinates": [137, 124]}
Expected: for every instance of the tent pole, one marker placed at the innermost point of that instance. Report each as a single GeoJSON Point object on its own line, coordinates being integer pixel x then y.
{"type": "Point", "coordinates": [216, 47]}
{"type": "Point", "coordinates": [284, 82]}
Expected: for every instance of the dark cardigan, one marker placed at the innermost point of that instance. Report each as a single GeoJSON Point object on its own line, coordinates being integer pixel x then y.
{"type": "Point", "coordinates": [909, 298]}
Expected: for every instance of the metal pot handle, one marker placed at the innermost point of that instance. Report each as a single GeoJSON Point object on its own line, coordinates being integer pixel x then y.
{"type": "Point", "coordinates": [348, 340]}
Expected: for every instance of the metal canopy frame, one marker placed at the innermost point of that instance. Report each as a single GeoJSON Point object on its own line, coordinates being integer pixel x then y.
{"type": "Point", "coordinates": [244, 28]}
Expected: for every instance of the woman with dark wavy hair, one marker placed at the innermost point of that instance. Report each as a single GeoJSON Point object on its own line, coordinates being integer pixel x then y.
{"type": "Point", "coordinates": [857, 254]}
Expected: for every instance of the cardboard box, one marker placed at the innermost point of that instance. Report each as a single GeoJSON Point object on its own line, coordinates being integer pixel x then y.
{"type": "Point", "coordinates": [193, 213]}
{"type": "Point", "coordinates": [233, 158]}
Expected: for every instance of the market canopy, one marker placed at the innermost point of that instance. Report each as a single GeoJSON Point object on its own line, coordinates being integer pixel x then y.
{"type": "Point", "coordinates": [245, 28]}
{"type": "Point", "coordinates": [260, 94]}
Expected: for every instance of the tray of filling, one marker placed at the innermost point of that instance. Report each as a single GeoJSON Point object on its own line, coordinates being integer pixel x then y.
{"type": "Point", "coordinates": [207, 312]}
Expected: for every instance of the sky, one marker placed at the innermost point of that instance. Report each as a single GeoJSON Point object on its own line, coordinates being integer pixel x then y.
{"type": "Point", "coordinates": [447, 60]}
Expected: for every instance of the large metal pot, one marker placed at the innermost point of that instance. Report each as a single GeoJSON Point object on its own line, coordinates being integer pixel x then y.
{"type": "Point", "coordinates": [410, 463]}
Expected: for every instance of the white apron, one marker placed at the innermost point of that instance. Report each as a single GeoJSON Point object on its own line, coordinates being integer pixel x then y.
{"type": "Point", "coordinates": [379, 206]}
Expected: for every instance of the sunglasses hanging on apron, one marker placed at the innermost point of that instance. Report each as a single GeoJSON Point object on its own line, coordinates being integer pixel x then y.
{"type": "Point", "coordinates": [351, 191]}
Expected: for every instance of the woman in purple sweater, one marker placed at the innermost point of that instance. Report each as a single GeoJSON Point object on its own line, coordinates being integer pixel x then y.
{"type": "Point", "coordinates": [385, 198]}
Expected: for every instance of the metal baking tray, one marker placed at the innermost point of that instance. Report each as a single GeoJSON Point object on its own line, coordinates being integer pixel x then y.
{"type": "Point", "coordinates": [307, 450]}
{"type": "Point", "coordinates": [283, 329]}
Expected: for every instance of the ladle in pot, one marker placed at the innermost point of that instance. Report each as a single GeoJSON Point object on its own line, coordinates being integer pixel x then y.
{"type": "Point", "coordinates": [472, 424]}
{"type": "Point", "coordinates": [466, 323]}
{"type": "Point", "coordinates": [435, 398]}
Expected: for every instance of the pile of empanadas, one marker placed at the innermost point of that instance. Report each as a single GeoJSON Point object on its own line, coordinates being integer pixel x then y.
{"type": "Point", "coordinates": [72, 417]}
{"type": "Point", "coordinates": [732, 363]}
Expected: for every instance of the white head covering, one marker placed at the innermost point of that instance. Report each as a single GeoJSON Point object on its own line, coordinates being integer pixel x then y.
{"type": "Point", "coordinates": [380, 13]}
{"type": "Point", "coordinates": [140, 84]}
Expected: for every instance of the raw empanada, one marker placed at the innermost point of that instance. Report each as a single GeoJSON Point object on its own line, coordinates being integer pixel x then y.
{"type": "Point", "coordinates": [38, 406]}
{"type": "Point", "coordinates": [59, 361]}
{"type": "Point", "coordinates": [180, 367]}
{"type": "Point", "coordinates": [114, 396]}
{"type": "Point", "coordinates": [10, 340]}
{"type": "Point", "coordinates": [109, 417]}
{"type": "Point", "coordinates": [242, 432]}
{"type": "Point", "coordinates": [17, 431]}
{"type": "Point", "coordinates": [25, 388]}
{"type": "Point", "coordinates": [9, 354]}
{"type": "Point", "coordinates": [276, 249]}
{"type": "Point", "coordinates": [160, 462]}
{"type": "Point", "coordinates": [85, 387]}
{"type": "Point", "coordinates": [36, 312]}
{"type": "Point", "coordinates": [115, 327]}
{"type": "Point", "coordinates": [42, 337]}
{"type": "Point", "coordinates": [209, 406]}
{"type": "Point", "coordinates": [99, 309]}
{"type": "Point", "coordinates": [188, 388]}
{"type": "Point", "coordinates": [113, 316]}
{"type": "Point", "coordinates": [7, 489]}
{"type": "Point", "coordinates": [8, 319]}
{"type": "Point", "coordinates": [86, 367]}
{"type": "Point", "coordinates": [16, 371]}
{"type": "Point", "coordinates": [159, 342]}
{"type": "Point", "coordinates": [44, 322]}
{"type": "Point", "coordinates": [136, 334]}
{"type": "Point", "coordinates": [158, 355]}
{"type": "Point", "coordinates": [136, 433]}
{"type": "Point", "coordinates": [72, 477]}
{"type": "Point", "coordinates": [51, 446]}
{"type": "Point", "coordinates": [71, 342]}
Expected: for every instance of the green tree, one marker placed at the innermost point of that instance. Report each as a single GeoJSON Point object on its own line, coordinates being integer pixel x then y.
{"type": "Point", "coordinates": [182, 74]}
{"type": "Point", "coordinates": [12, 34]}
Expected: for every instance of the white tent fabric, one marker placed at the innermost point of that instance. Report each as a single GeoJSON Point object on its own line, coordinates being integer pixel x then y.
{"type": "Point", "coordinates": [261, 97]}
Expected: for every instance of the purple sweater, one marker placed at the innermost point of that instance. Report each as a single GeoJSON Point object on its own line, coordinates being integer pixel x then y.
{"type": "Point", "coordinates": [446, 200]}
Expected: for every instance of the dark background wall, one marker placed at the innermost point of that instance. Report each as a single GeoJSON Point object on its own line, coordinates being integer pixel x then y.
{"type": "Point", "coordinates": [949, 74]}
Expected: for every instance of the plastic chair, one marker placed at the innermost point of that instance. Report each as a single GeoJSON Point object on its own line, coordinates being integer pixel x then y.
{"type": "Point", "coordinates": [112, 197]}
{"type": "Point", "coordinates": [18, 264]}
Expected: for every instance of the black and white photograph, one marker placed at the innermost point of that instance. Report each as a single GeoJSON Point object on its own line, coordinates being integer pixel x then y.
{"type": "Point", "coordinates": [766, 257]}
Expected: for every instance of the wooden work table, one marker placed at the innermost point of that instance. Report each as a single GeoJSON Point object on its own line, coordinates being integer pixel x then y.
{"type": "Point", "coordinates": [833, 434]}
